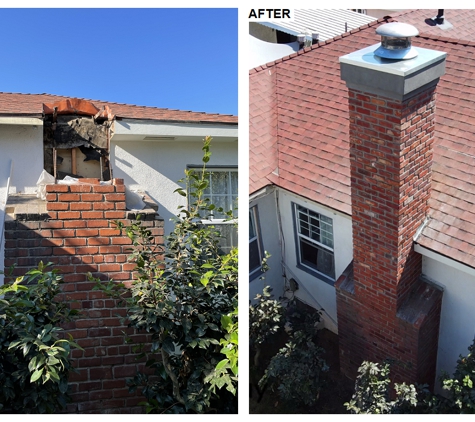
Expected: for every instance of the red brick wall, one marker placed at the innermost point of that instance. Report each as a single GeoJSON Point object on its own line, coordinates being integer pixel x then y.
{"type": "Point", "coordinates": [79, 238]}
{"type": "Point", "coordinates": [391, 155]}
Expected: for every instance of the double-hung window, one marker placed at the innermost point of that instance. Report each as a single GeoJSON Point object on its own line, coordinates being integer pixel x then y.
{"type": "Point", "coordinates": [255, 245]}
{"type": "Point", "coordinates": [314, 236]}
{"type": "Point", "coordinates": [222, 191]}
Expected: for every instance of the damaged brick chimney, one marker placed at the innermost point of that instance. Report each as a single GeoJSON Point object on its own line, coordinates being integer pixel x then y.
{"type": "Point", "coordinates": [386, 309]}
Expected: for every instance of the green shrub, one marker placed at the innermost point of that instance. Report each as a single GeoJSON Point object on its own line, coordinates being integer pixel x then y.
{"type": "Point", "coordinates": [296, 371]}
{"type": "Point", "coordinates": [188, 303]}
{"type": "Point", "coordinates": [372, 391]}
{"type": "Point", "coordinates": [34, 357]}
{"type": "Point", "coordinates": [266, 318]}
{"type": "Point", "coordinates": [373, 384]}
{"type": "Point", "coordinates": [461, 387]}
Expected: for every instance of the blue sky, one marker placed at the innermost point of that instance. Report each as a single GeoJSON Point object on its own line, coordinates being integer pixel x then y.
{"type": "Point", "coordinates": [182, 58]}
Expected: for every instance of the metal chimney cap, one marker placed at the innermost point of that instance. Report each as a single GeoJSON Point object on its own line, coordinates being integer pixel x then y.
{"type": "Point", "coordinates": [396, 41]}
{"type": "Point", "coordinates": [397, 29]}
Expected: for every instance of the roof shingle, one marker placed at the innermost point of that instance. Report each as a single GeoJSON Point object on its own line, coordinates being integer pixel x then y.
{"type": "Point", "coordinates": [32, 104]}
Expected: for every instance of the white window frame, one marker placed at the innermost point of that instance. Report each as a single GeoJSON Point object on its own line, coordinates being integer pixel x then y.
{"type": "Point", "coordinates": [254, 221]}
{"type": "Point", "coordinates": [299, 212]}
{"type": "Point", "coordinates": [230, 194]}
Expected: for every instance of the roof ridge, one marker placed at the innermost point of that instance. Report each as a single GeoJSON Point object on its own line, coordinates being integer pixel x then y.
{"type": "Point", "coordinates": [456, 41]}
{"type": "Point", "coordinates": [319, 44]}
{"type": "Point", "coordinates": [119, 104]}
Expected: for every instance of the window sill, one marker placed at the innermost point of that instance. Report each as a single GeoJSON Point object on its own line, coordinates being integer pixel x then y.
{"type": "Point", "coordinates": [316, 274]}
{"type": "Point", "coordinates": [253, 275]}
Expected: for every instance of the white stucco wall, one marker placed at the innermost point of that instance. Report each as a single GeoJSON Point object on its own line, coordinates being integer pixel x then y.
{"type": "Point", "coordinates": [22, 145]}
{"type": "Point", "coordinates": [270, 235]}
{"type": "Point", "coordinates": [313, 290]}
{"type": "Point", "coordinates": [156, 166]}
{"type": "Point", "coordinates": [457, 322]}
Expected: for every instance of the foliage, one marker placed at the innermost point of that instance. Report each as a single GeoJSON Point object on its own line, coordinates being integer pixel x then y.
{"type": "Point", "coordinates": [295, 372]}
{"type": "Point", "coordinates": [372, 391]}
{"type": "Point", "coordinates": [226, 370]}
{"type": "Point", "coordinates": [461, 387]}
{"type": "Point", "coordinates": [34, 357]}
{"type": "Point", "coordinates": [188, 303]}
{"type": "Point", "coordinates": [266, 317]}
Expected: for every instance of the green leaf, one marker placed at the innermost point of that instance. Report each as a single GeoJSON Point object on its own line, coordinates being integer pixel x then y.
{"type": "Point", "coordinates": [36, 375]}
{"type": "Point", "coordinates": [180, 192]}
{"type": "Point", "coordinates": [222, 364]}
{"type": "Point", "coordinates": [226, 321]}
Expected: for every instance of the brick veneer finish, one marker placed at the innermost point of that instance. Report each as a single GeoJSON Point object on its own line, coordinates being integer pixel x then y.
{"type": "Point", "coordinates": [385, 310]}
{"type": "Point", "coordinates": [79, 238]}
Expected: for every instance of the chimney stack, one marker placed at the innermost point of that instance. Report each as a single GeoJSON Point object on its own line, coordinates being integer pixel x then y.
{"type": "Point", "coordinates": [386, 310]}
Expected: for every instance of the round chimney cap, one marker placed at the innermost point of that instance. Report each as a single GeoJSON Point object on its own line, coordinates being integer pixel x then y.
{"type": "Point", "coordinates": [396, 41]}
{"type": "Point", "coordinates": [397, 29]}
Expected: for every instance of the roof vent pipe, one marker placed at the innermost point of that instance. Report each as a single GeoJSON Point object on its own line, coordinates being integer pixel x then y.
{"type": "Point", "coordinates": [396, 41]}
{"type": "Point", "coordinates": [439, 19]}
{"type": "Point", "coordinates": [315, 36]}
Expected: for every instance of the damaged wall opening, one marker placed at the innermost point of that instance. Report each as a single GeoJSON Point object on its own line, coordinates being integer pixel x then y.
{"type": "Point", "coordinates": [77, 139]}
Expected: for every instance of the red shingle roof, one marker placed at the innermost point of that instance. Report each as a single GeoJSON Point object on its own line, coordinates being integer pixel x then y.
{"type": "Point", "coordinates": [32, 104]}
{"type": "Point", "coordinates": [309, 109]}
{"type": "Point", "coordinates": [459, 24]}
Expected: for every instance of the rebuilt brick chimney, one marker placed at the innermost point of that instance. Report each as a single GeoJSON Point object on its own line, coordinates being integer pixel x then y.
{"type": "Point", "coordinates": [386, 310]}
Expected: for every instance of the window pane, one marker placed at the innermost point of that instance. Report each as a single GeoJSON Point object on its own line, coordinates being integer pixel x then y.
{"type": "Point", "coordinates": [219, 182]}
{"type": "Point", "coordinates": [234, 182]}
{"type": "Point", "coordinates": [207, 191]}
{"type": "Point", "coordinates": [228, 237]}
{"type": "Point", "coordinates": [317, 258]}
{"type": "Point", "coordinates": [254, 256]}
{"type": "Point", "coordinates": [235, 206]}
{"type": "Point", "coordinates": [220, 201]}
{"type": "Point", "coordinates": [252, 230]}
{"type": "Point", "coordinates": [304, 229]}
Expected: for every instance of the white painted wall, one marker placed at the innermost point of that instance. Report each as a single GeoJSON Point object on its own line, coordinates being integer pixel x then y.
{"type": "Point", "coordinates": [21, 144]}
{"type": "Point", "coordinates": [270, 235]}
{"type": "Point", "coordinates": [24, 145]}
{"type": "Point", "coordinates": [156, 166]}
{"type": "Point", "coordinates": [312, 290]}
{"type": "Point", "coordinates": [457, 322]}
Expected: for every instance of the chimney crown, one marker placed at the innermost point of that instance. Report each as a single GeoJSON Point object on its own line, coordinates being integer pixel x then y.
{"type": "Point", "coordinates": [397, 79]}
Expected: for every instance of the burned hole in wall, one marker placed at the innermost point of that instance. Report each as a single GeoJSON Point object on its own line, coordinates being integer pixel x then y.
{"type": "Point", "coordinates": [77, 139]}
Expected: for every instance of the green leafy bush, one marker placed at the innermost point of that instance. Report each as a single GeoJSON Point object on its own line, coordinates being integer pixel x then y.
{"type": "Point", "coordinates": [34, 357]}
{"type": "Point", "coordinates": [296, 371]}
{"type": "Point", "coordinates": [372, 391]}
{"type": "Point", "coordinates": [188, 303]}
{"type": "Point", "coordinates": [266, 318]}
{"type": "Point", "coordinates": [373, 385]}
{"type": "Point", "coordinates": [461, 387]}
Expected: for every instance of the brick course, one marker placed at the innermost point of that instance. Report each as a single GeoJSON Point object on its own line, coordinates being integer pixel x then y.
{"type": "Point", "coordinates": [80, 241]}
